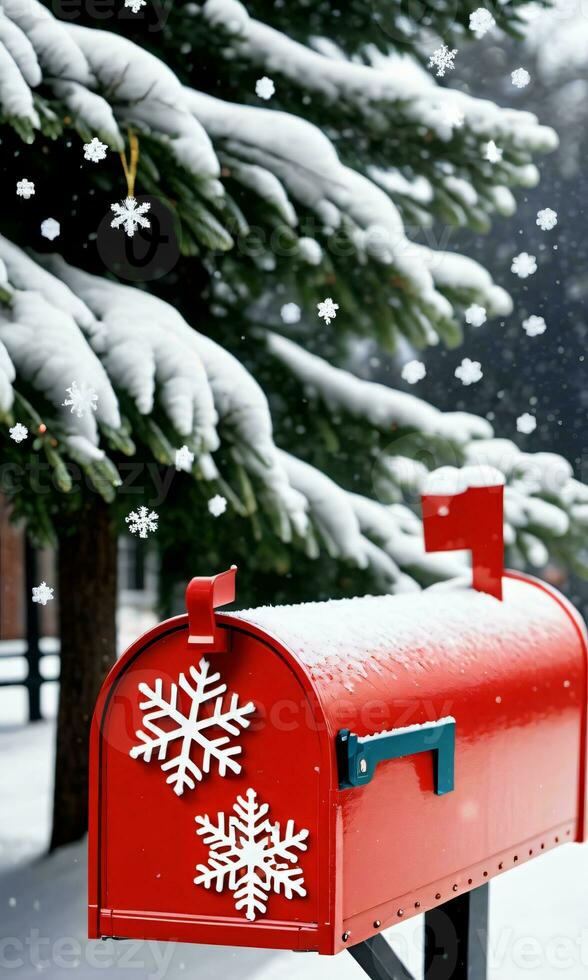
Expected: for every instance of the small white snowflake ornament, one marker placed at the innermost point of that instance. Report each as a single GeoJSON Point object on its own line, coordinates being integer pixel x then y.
{"type": "Point", "coordinates": [188, 729]}
{"type": "Point", "coordinates": [492, 153]}
{"type": "Point", "coordinates": [469, 372]}
{"type": "Point", "coordinates": [524, 265]}
{"type": "Point", "coordinates": [534, 326]}
{"type": "Point", "coordinates": [18, 432]}
{"type": "Point", "coordinates": [50, 228]}
{"type": "Point", "coordinates": [217, 505]}
{"type": "Point", "coordinates": [184, 459]}
{"type": "Point", "coordinates": [476, 315]}
{"type": "Point", "coordinates": [25, 188]}
{"type": "Point", "coordinates": [81, 399]}
{"type": "Point", "coordinates": [526, 423]}
{"type": "Point", "coordinates": [327, 310]}
{"type": "Point", "coordinates": [290, 313]}
{"type": "Point", "coordinates": [95, 150]}
{"type": "Point", "coordinates": [520, 77]}
{"type": "Point", "coordinates": [547, 219]}
{"type": "Point", "coordinates": [481, 21]}
{"type": "Point", "coordinates": [442, 60]}
{"type": "Point", "coordinates": [265, 88]}
{"type": "Point", "coordinates": [413, 371]}
{"type": "Point", "coordinates": [142, 521]}
{"type": "Point", "coordinates": [250, 856]}
{"type": "Point", "coordinates": [131, 215]}
{"type": "Point", "coordinates": [135, 5]}
{"type": "Point", "coordinates": [42, 593]}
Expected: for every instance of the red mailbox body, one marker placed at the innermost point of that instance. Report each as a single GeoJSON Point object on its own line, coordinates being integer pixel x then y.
{"type": "Point", "coordinates": [510, 673]}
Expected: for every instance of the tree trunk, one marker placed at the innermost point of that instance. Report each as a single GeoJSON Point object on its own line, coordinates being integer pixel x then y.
{"type": "Point", "coordinates": [87, 581]}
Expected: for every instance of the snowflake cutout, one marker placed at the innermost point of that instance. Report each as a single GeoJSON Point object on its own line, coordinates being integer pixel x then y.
{"type": "Point", "coordinates": [443, 60]}
{"type": "Point", "coordinates": [469, 372]}
{"type": "Point", "coordinates": [25, 188]}
{"type": "Point", "coordinates": [413, 371]}
{"type": "Point", "coordinates": [327, 310]}
{"type": "Point", "coordinates": [520, 77]}
{"type": "Point", "coordinates": [142, 521]}
{"type": "Point", "coordinates": [18, 432]}
{"type": "Point", "coordinates": [534, 326]}
{"type": "Point", "coordinates": [475, 315]}
{"type": "Point", "coordinates": [290, 313]}
{"type": "Point", "coordinates": [217, 505]}
{"type": "Point", "coordinates": [526, 423]}
{"type": "Point", "coordinates": [264, 88]}
{"type": "Point", "coordinates": [135, 5]}
{"type": "Point", "coordinates": [95, 150]}
{"type": "Point", "coordinates": [481, 21]}
{"type": "Point", "coordinates": [130, 215]}
{"type": "Point", "coordinates": [42, 593]}
{"type": "Point", "coordinates": [82, 399]}
{"type": "Point", "coordinates": [50, 228]}
{"type": "Point", "coordinates": [547, 219]}
{"type": "Point", "coordinates": [492, 153]}
{"type": "Point", "coordinates": [249, 856]}
{"type": "Point", "coordinates": [184, 459]}
{"type": "Point", "coordinates": [193, 728]}
{"type": "Point", "coordinates": [524, 265]}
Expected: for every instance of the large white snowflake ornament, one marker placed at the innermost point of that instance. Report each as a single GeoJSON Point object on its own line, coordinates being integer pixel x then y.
{"type": "Point", "coordinates": [184, 459]}
{"type": "Point", "coordinates": [130, 215]}
{"type": "Point", "coordinates": [442, 60]}
{"type": "Point", "coordinates": [481, 21]}
{"type": "Point", "coordinates": [25, 188]}
{"type": "Point", "coordinates": [469, 372]}
{"type": "Point", "coordinates": [327, 310]}
{"type": "Point", "coordinates": [524, 265]}
{"type": "Point", "coordinates": [50, 228]}
{"type": "Point", "coordinates": [18, 432]}
{"type": "Point", "coordinates": [264, 88]}
{"type": "Point", "coordinates": [413, 372]}
{"type": "Point", "coordinates": [217, 505]}
{"type": "Point", "coordinates": [520, 77]}
{"type": "Point", "coordinates": [534, 326]}
{"type": "Point", "coordinates": [95, 150]}
{"type": "Point", "coordinates": [250, 857]}
{"type": "Point", "coordinates": [547, 219]}
{"type": "Point", "coordinates": [142, 521]}
{"type": "Point", "coordinates": [81, 399]}
{"type": "Point", "coordinates": [42, 593]}
{"type": "Point", "coordinates": [186, 730]}
{"type": "Point", "coordinates": [290, 313]}
{"type": "Point", "coordinates": [476, 315]}
{"type": "Point", "coordinates": [526, 423]}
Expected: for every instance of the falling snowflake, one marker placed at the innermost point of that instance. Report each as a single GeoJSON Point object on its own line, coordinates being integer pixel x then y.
{"type": "Point", "coordinates": [526, 423]}
{"type": "Point", "coordinates": [442, 59]}
{"type": "Point", "coordinates": [475, 315]}
{"type": "Point", "coordinates": [451, 116]}
{"type": "Point", "coordinates": [217, 505]}
{"type": "Point", "coordinates": [413, 371]}
{"type": "Point", "coordinates": [25, 188]}
{"type": "Point", "coordinates": [524, 265]}
{"type": "Point", "coordinates": [290, 313]}
{"type": "Point", "coordinates": [469, 372]}
{"type": "Point", "coordinates": [135, 5]}
{"type": "Point", "coordinates": [249, 856]}
{"type": "Point", "coordinates": [534, 326]}
{"type": "Point", "coordinates": [184, 459]}
{"type": "Point", "coordinates": [130, 215]}
{"type": "Point", "coordinates": [42, 593]}
{"type": "Point", "coordinates": [520, 77]}
{"type": "Point", "coordinates": [82, 399]}
{"type": "Point", "coordinates": [95, 150]}
{"type": "Point", "coordinates": [50, 228]}
{"type": "Point", "coordinates": [191, 727]}
{"type": "Point", "coordinates": [547, 219]}
{"type": "Point", "coordinates": [18, 432]}
{"type": "Point", "coordinates": [327, 310]}
{"type": "Point", "coordinates": [142, 521]}
{"type": "Point", "coordinates": [481, 21]}
{"type": "Point", "coordinates": [264, 87]}
{"type": "Point", "coordinates": [492, 152]}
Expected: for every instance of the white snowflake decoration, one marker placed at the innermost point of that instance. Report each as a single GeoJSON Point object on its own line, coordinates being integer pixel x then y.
{"type": "Point", "coordinates": [249, 856]}
{"type": "Point", "coordinates": [265, 88]}
{"type": "Point", "coordinates": [18, 432]}
{"type": "Point", "coordinates": [469, 372]}
{"type": "Point", "coordinates": [534, 326]}
{"type": "Point", "coordinates": [520, 77]}
{"type": "Point", "coordinates": [547, 219]}
{"type": "Point", "coordinates": [217, 505]}
{"type": "Point", "coordinates": [475, 315]}
{"type": "Point", "coordinates": [142, 521]}
{"type": "Point", "coordinates": [442, 60]}
{"type": "Point", "coordinates": [25, 188]}
{"type": "Point", "coordinates": [413, 371]}
{"type": "Point", "coordinates": [50, 228]}
{"type": "Point", "coordinates": [492, 152]}
{"type": "Point", "coordinates": [95, 150]}
{"type": "Point", "coordinates": [42, 593]}
{"type": "Point", "coordinates": [130, 215]}
{"type": "Point", "coordinates": [184, 459]}
{"type": "Point", "coordinates": [526, 423]}
{"type": "Point", "coordinates": [524, 265]}
{"type": "Point", "coordinates": [327, 310]}
{"type": "Point", "coordinates": [135, 5]}
{"type": "Point", "coordinates": [290, 313]}
{"type": "Point", "coordinates": [191, 728]}
{"type": "Point", "coordinates": [481, 21]}
{"type": "Point", "coordinates": [82, 399]}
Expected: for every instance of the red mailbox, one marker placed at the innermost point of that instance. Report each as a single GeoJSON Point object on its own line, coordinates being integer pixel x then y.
{"type": "Point", "coordinates": [303, 777]}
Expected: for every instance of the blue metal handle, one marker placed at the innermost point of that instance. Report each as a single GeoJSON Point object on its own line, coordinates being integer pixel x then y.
{"type": "Point", "coordinates": [358, 757]}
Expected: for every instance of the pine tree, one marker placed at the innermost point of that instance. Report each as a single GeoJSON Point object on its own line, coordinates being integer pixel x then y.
{"type": "Point", "coordinates": [278, 205]}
